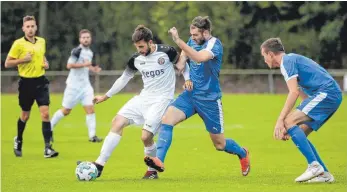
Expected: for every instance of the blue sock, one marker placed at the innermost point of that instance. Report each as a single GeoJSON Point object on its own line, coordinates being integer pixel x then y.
{"type": "Point", "coordinates": [317, 156]}
{"type": "Point", "coordinates": [232, 147]}
{"type": "Point", "coordinates": [300, 140]}
{"type": "Point", "coordinates": [164, 141]}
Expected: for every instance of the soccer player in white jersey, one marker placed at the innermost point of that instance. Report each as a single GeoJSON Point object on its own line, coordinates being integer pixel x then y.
{"type": "Point", "coordinates": [155, 63]}
{"type": "Point", "coordinates": [78, 87]}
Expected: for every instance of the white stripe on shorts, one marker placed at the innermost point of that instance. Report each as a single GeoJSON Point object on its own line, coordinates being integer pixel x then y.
{"type": "Point", "coordinates": [314, 102]}
{"type": "Point", "coordinates": [221, 118]}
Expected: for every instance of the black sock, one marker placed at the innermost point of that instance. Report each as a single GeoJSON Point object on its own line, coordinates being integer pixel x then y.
{"type": "Point", "coordinates": [47, 132]}
{"type": "Point", "coordinates": [20, 129]}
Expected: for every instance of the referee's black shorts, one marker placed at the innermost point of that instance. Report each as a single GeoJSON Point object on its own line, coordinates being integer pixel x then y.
{"type": "Point", "coordinates": [33, 89]}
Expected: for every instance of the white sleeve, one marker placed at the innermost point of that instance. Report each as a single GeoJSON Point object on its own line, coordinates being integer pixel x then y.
{"type": "Point", "coordinates": [121, 82]}
{"type": "Point", "coordinates": [186, 72]}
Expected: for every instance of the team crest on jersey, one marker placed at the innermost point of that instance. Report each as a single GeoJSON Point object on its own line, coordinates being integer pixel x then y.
{"type": "Point", "coordinates": [161, 60]}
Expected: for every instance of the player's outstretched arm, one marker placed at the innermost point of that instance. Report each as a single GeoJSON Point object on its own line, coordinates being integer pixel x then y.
{"type": "Point", "coordinates": [288, 106]}
{"type": "Point", "coordinates": [118, 85]}
{"type": "Point", "coordinates": [198, 56]}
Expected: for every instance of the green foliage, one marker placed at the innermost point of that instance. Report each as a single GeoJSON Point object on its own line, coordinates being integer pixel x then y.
{"type": "Point", "coordinates": [313, 29]}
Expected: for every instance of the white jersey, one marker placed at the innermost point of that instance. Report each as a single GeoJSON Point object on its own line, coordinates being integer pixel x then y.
{"type": "Point", "coordinates": [158, 73]}
{"type": "Point", "coordinates": [79, 77]}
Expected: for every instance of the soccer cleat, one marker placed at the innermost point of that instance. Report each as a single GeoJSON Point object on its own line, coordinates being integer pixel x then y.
{"type": "Point", "coordinates": [314, 169]}
{"type": "Point", "coordinates": [95, 139]}
{"type": "Point", "coordinates": [245, 164]}
{"type": "Point", "coordinates": [325, 177]}
{"type": "Point", "coordinates": [50, 152]}
{"type": "Point", "coordinates": [150, 175]}
{"type": "Point", "coordinates": [17, 147]}
{"type": "Point", "coordinates": [99, 167]}
{"type": "Point", "coordinates": [155, 163]}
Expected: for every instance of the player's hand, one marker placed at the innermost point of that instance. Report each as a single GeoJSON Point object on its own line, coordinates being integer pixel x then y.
{"type": "Point", "coordinates": [280, 130]}
{"type": "Point", "coordinates": [285, 137]}
{"type": "Point", "coordinates": [99, 99]}
{"type": "Point", "coordinates": [45, 64]}
{"type": "Point", "coordinates": [174, 33]}
{"type": "Point", "coordinates": [28, 57]}
{"type": "Point", "coordinates": [188, 85]}
{"type": "Point", "coordinates": [97, 69]}
{"type": "Point", "coordinates": [87, 63]}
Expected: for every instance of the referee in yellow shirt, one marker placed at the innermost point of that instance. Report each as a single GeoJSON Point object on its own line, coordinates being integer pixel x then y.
{"type": "Point", "coordinates": [28, 54]}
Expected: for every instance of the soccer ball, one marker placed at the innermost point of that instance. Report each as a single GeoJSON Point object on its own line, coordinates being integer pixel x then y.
{"type": "Point", "coordinates": [86, 171]}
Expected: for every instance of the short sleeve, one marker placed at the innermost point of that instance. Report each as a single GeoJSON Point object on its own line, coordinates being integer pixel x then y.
{"type": "Point", "coordinates": [75, 54]}
{"type": "Point", "coordinates": [15, 50]}
{"type": "Point", "coordinates": [214, 47]}
{"type": "Point", "coordinates": [288, 69]}
{"type": "Point", "coordinates": [131, 62]}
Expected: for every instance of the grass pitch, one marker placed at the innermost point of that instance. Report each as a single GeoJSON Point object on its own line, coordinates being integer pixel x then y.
{"type": "Point", "coordinates": [192, 163]}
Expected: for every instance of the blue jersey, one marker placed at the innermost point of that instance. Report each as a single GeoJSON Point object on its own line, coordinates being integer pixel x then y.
{"type": "Point", "coordinates": [205, 75]}
{"type": "Point", "coordinates": [312, 78]}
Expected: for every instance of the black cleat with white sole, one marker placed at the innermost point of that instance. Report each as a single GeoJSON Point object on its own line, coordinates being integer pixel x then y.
{"type": "Point", "coordinates": [50, 152]}
{"type": "Point", "coordinates": [17, 147]}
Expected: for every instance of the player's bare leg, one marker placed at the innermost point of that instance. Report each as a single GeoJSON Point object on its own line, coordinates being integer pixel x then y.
{"type": "Point", "coordinates": [150, 151]}
{"type": "Point", "coordinates": [172, 117]}
{"type": "Point", "coordinates": [91, 123]}
{"type": "Point", "coordinates": [299, 137]}
{"type": "Point", "coordinates": [230, 146]}
{"type": "Point", "coordinates": [18, 140]}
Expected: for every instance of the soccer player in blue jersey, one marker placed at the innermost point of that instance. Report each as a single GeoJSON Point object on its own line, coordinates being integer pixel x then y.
{"type": "Point", "coordinates": [321, 98]}
{"type": "Point", "coordinates": [204, 54]}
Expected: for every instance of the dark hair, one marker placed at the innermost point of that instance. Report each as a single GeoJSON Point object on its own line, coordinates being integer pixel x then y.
{"type": "Point", "coordinates": [274, 45]}
{"type": "Point", "coordinates": [142, 33]}
{"type": "Point", "coordinates": [202, 23]}
{"type": "Point", "coordinates": [85, 31]}
{"type": "Point", "coordinates": [28, 18]}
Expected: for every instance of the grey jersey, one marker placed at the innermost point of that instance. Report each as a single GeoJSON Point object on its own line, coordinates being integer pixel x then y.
{"type": "Point", "coordinates": [157, 71]}
{"type": "Point", "coordinates": [79, 77]}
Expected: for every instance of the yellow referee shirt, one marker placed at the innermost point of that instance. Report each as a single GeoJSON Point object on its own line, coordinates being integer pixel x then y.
{"type": "Point", "coordinates": [38, 49]}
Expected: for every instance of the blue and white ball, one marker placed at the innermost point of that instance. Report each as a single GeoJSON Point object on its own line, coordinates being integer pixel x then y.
{"type": "Point", "coordinates": [86, 171]}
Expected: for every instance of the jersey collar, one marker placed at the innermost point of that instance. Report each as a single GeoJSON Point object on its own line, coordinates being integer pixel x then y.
{"type": "Point", "coordinates": [30, 41]}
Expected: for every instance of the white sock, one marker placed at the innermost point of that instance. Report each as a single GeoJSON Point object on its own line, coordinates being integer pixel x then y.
{"type": "Point", "coordinates": [58, 115]}
{"type": "Point", "coordinates": [111, 141]}
{"type": "Point", "coordinates": [151, 151]}
{"type": "Point", "coordinates": [91, 124]}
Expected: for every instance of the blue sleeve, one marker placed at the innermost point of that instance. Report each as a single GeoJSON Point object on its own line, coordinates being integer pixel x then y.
{"type": "Point", "coordinates": [189, 42]}
{"type": "Point", "coordinates": [75, 54]}
{"type": "Point", "coordinates": [289, 69]}
{"type": "Point", "coordinates": [214, 47]}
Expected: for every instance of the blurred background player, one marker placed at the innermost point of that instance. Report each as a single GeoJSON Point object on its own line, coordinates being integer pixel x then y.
{"type": "Point", "coordinates": [204, 53]}
{"type": "Point", "coordinates": [155, 63]}
{"type": "Point", "coordinates": [28, 54]}
{"type": "Point", "coordinates": [78, 87]}
{"type": "Point", "coordinates": [321, 98]}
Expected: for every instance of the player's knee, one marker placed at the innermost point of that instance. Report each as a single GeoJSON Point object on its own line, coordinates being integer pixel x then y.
{"type": "Point", "coordinates": [45, 116]}
{"type": "Point", "coordinates": [25, 116]}
{"type": "Point", "coordinates": [89, 110]}
{"type": "Point", "coordinates": [219, 146]}
{"type": "Point", "coordinates": [289, 122]}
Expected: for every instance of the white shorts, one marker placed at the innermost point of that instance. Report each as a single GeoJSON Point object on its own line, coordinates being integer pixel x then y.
{"type": "Point", "coordinates": [74, 95]}
{"type": "Point", "coordinates": [145, 111]}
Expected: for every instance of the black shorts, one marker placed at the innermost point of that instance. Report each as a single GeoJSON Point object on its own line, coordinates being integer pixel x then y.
{"type": "Point", "coordinates": [33, 89]}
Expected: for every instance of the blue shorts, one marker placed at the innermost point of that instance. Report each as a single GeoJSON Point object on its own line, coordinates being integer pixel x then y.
{"type": "Point", "coordinates": [320, 107]}
{"type": "Point", "coordinates": [210, 111]}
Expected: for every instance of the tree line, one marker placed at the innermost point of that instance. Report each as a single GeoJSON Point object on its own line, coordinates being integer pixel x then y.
{"type": "Point", "coordinates": [315, 29]}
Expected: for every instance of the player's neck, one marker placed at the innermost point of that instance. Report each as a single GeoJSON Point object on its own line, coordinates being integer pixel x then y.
{"type": "Point", "coordinates": [279, 59]}
{"type": "Point", "coordinates": [84, 46]}
{"type": "Point", "coordinates": [153, 48]}
{"type": "Point", "coordinates": [31, 39]}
